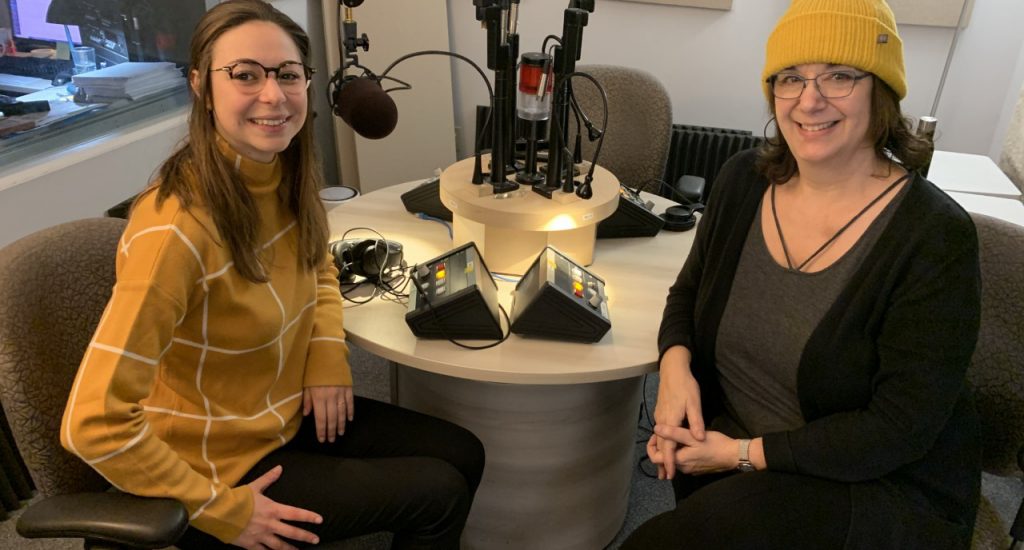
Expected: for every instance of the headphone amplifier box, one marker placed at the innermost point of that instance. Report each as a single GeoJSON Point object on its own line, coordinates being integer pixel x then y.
{"type": "Point", "coordinates": [454, 297]}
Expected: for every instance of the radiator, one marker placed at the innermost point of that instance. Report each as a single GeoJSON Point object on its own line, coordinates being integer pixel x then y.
{"type": "Point", "coordinates": [702, 150]}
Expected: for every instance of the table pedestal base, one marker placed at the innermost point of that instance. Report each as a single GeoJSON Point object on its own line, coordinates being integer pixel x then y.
{"type": "Point", "coordinates": [559, 458]}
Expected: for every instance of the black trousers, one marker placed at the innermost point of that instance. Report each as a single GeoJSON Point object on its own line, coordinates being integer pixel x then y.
{"type": "Point", "coordinates": [756, 510]}
{"type": "Point", "coordinates": [393, 470]}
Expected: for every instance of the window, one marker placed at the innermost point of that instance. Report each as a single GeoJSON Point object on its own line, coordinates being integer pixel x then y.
{"type": "Point", "coordinates": [44, 36]}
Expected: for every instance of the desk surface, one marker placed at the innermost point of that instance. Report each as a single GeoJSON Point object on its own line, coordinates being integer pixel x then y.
{"type": "Point", "coordinates": [968, 173]}
{"type": "Point", "coordinates": [638, 273]}
{"type": "Point", "coordinates": [22, 84]}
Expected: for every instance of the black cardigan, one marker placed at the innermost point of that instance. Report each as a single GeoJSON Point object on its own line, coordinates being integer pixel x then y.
{"type": "Point", "coordinates": [881, 380]}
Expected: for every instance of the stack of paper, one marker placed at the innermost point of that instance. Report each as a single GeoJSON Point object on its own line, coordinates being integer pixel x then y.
{"type": "Point", "coordinates": [130, 80]}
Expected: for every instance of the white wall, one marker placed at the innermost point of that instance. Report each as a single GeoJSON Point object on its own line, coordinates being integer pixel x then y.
{"type": "Point", "coordinates": [85, 180]}
{"type": "Point", "coordinates": [307, 14]}
{"type": "Point", "coordinates": [711, 61]}
{"type": "Point", "coordinates": [424, 138]}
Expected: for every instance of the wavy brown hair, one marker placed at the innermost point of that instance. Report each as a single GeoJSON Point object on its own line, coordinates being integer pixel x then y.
{"type": "Point", "coordinates": [890, 133]}
{"type": "Point", "coordinates": [198, 172]}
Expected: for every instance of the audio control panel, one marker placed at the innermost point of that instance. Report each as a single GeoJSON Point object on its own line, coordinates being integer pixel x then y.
{"type": "Point", "coordinates": [560, 299]}
{"type": "Point", "coordinates": [633, 218]}
{"type": "Point", "coordinates": [454, 296]}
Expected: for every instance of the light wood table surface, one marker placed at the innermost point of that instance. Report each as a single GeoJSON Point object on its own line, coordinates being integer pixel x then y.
{"type": "Point", "coordinates": [557, 419]}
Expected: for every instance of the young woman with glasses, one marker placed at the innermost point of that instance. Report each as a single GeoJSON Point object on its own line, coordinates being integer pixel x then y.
{"type": "Point", "coordinates": [218, 374]}
{"type": "Point", "coordinates": [815, 343]}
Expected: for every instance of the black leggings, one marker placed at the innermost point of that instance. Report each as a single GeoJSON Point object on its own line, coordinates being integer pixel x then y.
{"type": "Point", "coordinates": [393, 470]}
{"type": "Point", "coordinates": [762, 510]}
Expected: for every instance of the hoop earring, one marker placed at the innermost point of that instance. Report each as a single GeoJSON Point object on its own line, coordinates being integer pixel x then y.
{"type": "Point", "coordinates": [764, 132]}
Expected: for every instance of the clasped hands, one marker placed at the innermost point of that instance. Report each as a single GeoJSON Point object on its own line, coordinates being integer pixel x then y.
{"type": "Point", "coordinates": [673, 446]}
{"type": "Point", "coordinates": [692, 449]}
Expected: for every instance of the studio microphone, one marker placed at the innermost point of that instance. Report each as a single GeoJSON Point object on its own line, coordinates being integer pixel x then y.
{"type": "Point", "coordinates": [363, 104]}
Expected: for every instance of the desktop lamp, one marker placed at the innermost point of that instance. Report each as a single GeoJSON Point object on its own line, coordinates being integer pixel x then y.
{"type": "Point", "coordinates": [65, 12]}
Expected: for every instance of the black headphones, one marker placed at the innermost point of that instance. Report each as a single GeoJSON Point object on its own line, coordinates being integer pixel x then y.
{"type": "Point", "coordinates": [365, 257]}
{"type": "Point", "coordinates": [681, 217]}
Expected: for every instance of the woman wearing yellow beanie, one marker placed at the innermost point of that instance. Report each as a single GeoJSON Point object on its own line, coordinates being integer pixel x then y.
{"type": "Point", "coordinates": [822, 325]}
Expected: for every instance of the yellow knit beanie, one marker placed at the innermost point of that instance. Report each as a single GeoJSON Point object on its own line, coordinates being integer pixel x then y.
{"type": "Point", "coordinates": [858, 33]}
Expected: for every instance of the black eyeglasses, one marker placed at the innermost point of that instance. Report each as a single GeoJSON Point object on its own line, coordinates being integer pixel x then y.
{"type": "Point", "coordinates": [250, 77]}
{"type": "Point", "coordinates": [831, 85]}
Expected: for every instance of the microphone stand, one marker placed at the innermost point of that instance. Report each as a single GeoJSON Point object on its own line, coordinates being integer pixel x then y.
{"type": "Point", "coordinates": [502, 53]}
{"type": "Point", "coordinates": [565, 56]}
{"type": "Point", "coordinates": [351, 39]}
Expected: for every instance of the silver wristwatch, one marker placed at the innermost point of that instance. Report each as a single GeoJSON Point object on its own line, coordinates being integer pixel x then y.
{"type": "Point", "coordinates": [745, 465]}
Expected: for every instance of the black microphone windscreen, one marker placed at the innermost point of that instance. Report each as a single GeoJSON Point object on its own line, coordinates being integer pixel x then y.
{"type": "Point", "coordinates": [366, 108]}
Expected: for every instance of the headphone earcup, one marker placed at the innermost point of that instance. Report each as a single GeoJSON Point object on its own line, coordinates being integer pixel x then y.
{"type": "Point", "coordinates": [363, 258]}
{"type": "Point", "coordinates": [342, 252]}
{"type": "Point", "coordinates": [679, 218]}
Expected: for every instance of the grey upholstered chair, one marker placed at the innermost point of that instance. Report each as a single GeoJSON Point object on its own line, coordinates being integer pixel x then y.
{"type": "Point", "coordinates": [639, 123]}
{"type": "Point", "coordinates": [54, 285]}
{"type": "Point", "coordinates": [1012, 159]}
{"type": "Point", "coordinates": [997, 368]}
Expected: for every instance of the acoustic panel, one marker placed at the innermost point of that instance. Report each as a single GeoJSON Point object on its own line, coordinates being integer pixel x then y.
{"type": "Point", "coordinates": [933, 13]}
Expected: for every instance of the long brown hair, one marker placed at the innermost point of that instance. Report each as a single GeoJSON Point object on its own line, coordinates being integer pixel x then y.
{"type": "Point", "coordinates": [198, 172]}
{"type": "Point", "coordinates": [889, 131]}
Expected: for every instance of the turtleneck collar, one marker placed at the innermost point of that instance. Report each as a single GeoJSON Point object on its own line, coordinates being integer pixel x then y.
{"type": "Point", "coordinates": [260, 177]}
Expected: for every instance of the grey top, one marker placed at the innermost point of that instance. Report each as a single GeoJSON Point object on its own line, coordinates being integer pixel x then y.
{"type": "Point", "coordinates": [768, 318]}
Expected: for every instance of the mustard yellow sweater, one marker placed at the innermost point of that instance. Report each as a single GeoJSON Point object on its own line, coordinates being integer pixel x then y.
{"type": "Point", "coordinates": [194, 373]}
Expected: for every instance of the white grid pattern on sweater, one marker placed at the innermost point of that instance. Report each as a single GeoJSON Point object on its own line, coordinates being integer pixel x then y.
{"type": "Point", "coordinates": [206, 348]}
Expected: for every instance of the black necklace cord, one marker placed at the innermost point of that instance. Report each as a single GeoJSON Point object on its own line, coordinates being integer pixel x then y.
{"type": "Point", "coordinates": [782, 240]}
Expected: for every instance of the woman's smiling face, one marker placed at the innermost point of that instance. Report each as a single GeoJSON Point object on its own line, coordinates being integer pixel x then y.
{"type": "Point", "coordinates": [825, 130]}
{"type": "Point", "coordinates": [257, 123]}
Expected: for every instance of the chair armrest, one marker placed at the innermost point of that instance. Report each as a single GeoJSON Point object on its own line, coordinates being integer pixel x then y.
{"type": "Point", "coordinates": [119, 518]}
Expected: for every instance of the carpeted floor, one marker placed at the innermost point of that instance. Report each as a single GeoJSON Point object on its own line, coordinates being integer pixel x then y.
{"type": "Point", "coordinates": [647, 498]}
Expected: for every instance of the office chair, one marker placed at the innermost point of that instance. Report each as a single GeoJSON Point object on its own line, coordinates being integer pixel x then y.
{"type": "Point", "coordinates": [639, 123]}
{"type": "Point", "coordinates": [54, 285]}
{"type": "Point", "coordinates": [997, 370]}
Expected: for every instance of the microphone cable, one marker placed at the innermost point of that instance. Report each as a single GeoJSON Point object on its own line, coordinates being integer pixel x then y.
{"type": "Point", "coordinates": [686, 201]}
{"type": "Point", "coordinates": [604, 127]}
{"type": "Point", "coordinates": [477, 170]}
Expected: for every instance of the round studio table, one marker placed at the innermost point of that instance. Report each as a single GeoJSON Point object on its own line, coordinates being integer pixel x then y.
{"type": "Point", "coordinates": [557, 419]}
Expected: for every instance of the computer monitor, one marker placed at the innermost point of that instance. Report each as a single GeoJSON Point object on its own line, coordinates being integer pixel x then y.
{"type": "Point", "coordinates": [28, 19]}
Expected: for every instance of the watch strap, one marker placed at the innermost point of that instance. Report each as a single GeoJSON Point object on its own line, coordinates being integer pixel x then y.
{"type": "Point", "coordinates": [744, 464]}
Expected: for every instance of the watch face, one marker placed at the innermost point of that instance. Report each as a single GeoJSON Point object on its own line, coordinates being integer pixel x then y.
{"type": "Point", "coordinates": [745, 467]}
